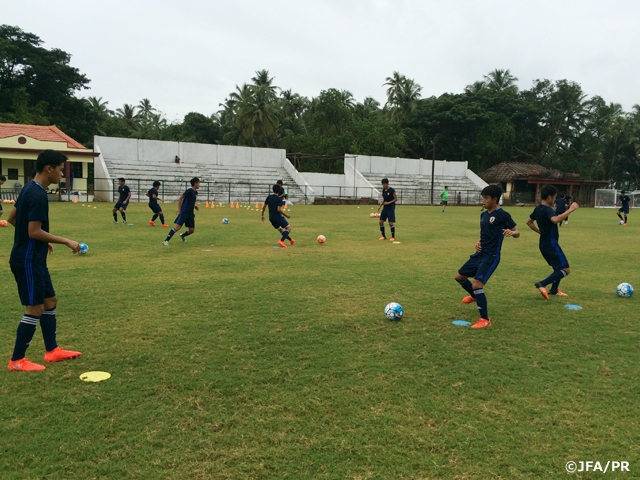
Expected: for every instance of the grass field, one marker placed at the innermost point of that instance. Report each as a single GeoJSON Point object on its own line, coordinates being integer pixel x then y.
{"type": "Point", "coordinates": [254, 362]}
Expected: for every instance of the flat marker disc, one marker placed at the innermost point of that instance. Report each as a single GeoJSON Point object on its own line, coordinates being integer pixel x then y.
{"type": "Point", "coordinates": [95, 376]}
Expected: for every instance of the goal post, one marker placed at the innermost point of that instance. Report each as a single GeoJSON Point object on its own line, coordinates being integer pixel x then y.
{"type": "Point", "coordinates": [608, 198]}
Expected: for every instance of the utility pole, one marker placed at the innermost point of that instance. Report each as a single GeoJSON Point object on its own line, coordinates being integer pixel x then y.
{"type": "Point", "coordinates": [433, 165]}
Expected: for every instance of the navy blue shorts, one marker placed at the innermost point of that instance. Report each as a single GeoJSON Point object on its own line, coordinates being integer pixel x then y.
{"type": "Point", "coordinates": [624, 210]}
{"type": "Point", "coordinates": [155, 207]}
{"type": "Point", "coordinates": [279, 223]}
{"type": "Point", "coordinates": [480, 266]}
{"type": "Point", "coordinates": [554, 256]}
{"type": "Point", "coordinates": [388, 214]}
{"type": "Point", "coordinates": [120, 205]}
{"type": "Point", "coordinates": [34, 283]}
{"type": "Point", "coordinates": [188, 221]}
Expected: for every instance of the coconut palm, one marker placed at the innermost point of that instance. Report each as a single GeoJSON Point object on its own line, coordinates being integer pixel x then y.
{"type": "Point", "coordinates": [402, 95]}
{"type": "Point", "coordinates": [501, 80]}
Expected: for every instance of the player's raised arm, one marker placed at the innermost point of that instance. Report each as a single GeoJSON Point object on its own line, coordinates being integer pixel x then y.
{"type": "Point", "coordinates": [559, 218]}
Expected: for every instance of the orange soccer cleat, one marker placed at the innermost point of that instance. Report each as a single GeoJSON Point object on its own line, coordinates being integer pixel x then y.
{"type": "Point", "coordinates": [392, 239]}
{"type": "Point", "coordinates": [468, 299]}
{"type": "Point", "coordinates": [59, 355]}
{"type": "Point", "coordinates": [152, 223]}
{"type": "Point", "coordinates": [165, 224]}
{"type": "Point", "coordinates": [560, 293]}
{"type": "Point", "coordinates": [543, 290]}
{"type": "Point", "coordinates": [282, 244]}
{"type": "Point", "coordinates": [24, 365]}
{"type": "Point", "coordinates": [482, 323]}
{"type": "Point", "coordinates": [292, 240]}
{"type": "Point", "coordinates": [382, 238]}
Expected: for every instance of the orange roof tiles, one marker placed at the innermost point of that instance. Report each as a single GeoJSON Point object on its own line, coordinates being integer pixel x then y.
{"type": "Point", "coordinates": [49, 133]}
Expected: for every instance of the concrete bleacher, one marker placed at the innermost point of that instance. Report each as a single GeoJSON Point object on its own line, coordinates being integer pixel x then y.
{"type": "Point", "coordinates": [226, 173]}
{"type": "Point", "coordinates": [416, 189]}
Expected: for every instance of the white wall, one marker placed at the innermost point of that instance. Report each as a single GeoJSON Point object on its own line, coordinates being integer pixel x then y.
{"type": "Point", "coordinates": [407, 166]}
{"type": "Point", "coordinates": [101, 186]}
{"type": "Point", "coordinates": [165, 152]}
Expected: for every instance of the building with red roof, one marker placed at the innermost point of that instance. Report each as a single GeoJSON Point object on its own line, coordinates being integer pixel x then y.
{"type": "Point", "coordinates": [20, 146]}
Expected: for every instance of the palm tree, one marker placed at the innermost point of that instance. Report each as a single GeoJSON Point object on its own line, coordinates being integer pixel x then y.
{"type": "Point", "coordinates": [476, 87]}
{"type": "Point", "coordinates": [501, 80]}
{"type": "Point", "coordinates": [402, 95]}
{"type": "Point", "coordinates": [347, 99]}
{"type": "Point", "coordinates": [128, 113]}
{"type": "Point", "coordinates": [257, 116]}
{"type": "Point", "coordinates": [99, 106]}
{"type": "Point", "coordinates": [145, 109]}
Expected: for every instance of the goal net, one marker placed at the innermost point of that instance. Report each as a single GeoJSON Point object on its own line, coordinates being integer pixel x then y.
{"type": "Point", "coordinates": [607, 198]}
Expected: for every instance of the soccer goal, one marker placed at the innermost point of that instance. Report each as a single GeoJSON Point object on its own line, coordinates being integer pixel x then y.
{"type": "Point", "coordinates": [607, 198]}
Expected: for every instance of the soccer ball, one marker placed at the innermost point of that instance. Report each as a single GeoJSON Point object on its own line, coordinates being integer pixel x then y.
{"type": "Point", "coordinates": [322, 239]}
{"type": "Point", "coordinates": [393, 311]}
{"type": "Point", "coordinates": [624, 290]}
{"type": "Point", "coordinates": [225, 220]}
{"type": "Point", "coordinates": [372, 215]}
{"type": "Point", "coordinates": [621, 222]}
{"type": "Point", "coordinates": [84, 248]}
{"type": "Point", "coordinates": [3, 223]}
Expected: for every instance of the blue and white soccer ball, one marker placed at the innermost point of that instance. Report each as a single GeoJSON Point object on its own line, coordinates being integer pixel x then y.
{"type": "Point", "coordinates": [84, 248]}
{"type": "Point", "coordinates": [624, 290]}
{"type": "Point", "coordinates": [393, 311]}
{"type": "Point", "coordinates": [621, 222]}
{"type": "Point", "coordinates": [225, 220]}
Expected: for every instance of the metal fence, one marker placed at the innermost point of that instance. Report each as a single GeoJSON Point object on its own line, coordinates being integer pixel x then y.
{"type": "Point", "coordinates": [227, 192]}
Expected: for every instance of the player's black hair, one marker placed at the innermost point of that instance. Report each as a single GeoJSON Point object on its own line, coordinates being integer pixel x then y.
{"type": "Point", "coordinates": [279, 182]}
{"type": "Point", "coordinates": [446, 186]}
{"type": "Point", "coordinates": [548, 191]}
{"type": "Point", "coordinates": [51, 158]}
{"type": "Point", "coordinates": [156, 184]}
{"type": "Point", "coordinates": [276, 188]}
{"type": "Point", "coordinates": [493, 191]}
{"type": "Point", "coordinates": [33, 173]}
{"type": "Point", "coordinates": [385, 180]}
{"type": "Point", "coordinates": [194, 180]}
{"type": "Point", "coordinates": [3, 178]}
{"type": "Point", "coordinates": [622, 192]}
{"type": "Point", "coordinates": [121, 180]}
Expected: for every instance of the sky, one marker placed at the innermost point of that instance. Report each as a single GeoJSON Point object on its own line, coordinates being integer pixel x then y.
{"type": "Point", "coordinates": [188, 55]}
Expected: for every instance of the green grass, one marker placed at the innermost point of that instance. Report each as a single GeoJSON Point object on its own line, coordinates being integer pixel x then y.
{"type": "Point", "coordinates": [255, 362]}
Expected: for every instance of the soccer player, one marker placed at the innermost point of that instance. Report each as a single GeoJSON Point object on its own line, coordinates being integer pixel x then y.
{"type": "Point", "coordinates": [283, 193]}
{"type": "Point", "coordinates": [186, 205]}
{"type": "Point", "coordinates": [444, 196]}
{"type": "Point", "coordinates": [2, 180]}
{"type": "Point", "coordinates": [276, 215]}
{"type": "Point", "coordinates": [153, 205]}
{"type": "Point", "coordinates": [568, 200]}
{"type": "Point", "coordinates": [561, 204]}
{"type": "Point", "coordinates": [548, 220]}
{"type": "Point", "coordinates": [623, 201]}
{"type": "Point", "coordinates": [123, 201]}
{"type": "Point", "coordinates": [389, 199]}
{"type": "Point", "coordinates": [495, 224]}
{"type": "Point", "coordinates": [28, 261]}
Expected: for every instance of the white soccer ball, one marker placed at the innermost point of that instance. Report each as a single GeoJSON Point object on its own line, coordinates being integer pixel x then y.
{"type": "Point", "coordinates": [322, 239]}
{"type": "Point", "coordinates": [84, 248]}
{"type": "Point", "coordinates": [393, 311]}
{"type": "Point", "coordinates": [624, 290]}
{"type": "Point", "coordinates": [225, 220]}
{"type": "Point", "coordinates": [621, 222]}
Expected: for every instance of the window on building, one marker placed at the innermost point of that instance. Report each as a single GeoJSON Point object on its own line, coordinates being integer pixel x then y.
{"type": "Point", "coordinates": [12, 174]}
{"type": "Point", "coordinates": [76, 168]}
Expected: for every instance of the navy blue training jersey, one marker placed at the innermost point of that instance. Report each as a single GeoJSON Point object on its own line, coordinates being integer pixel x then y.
{"type": "Point", "coordinates": [188, 201]}
{"type": "Point", "coordinates": [387, 196]}
{"type": "Point", "coordinates": [625, 201]}
{"type": "Point", "coordinates": [273, 201]}
{"type": "Point", "coordinates": [152, 192]}
{"type": "Point", "coordinates": [281, 193]}
{"type": "Point", "coordinates": [561, 204]}
{"type": "Point", "coordinates": [124, 192]}
{"type": "Point", "coordinates": [549, 234]}
{"type": "Point", "coordinates": [491, 227]}
{"type": "Point", "coordinates": [32, 206]}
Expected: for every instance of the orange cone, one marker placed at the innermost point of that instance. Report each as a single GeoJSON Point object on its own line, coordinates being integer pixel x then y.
{"type": "Point", "coordinates": [75, 199]}
{"type": "Point", "coordinates": [257, 208]}
{"type": "Point", "coordinates": [212, 204]}
{"type": "Point", "coordinates": [206, 204]}
{"type": "Point", "coordinates": [237, 205]}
